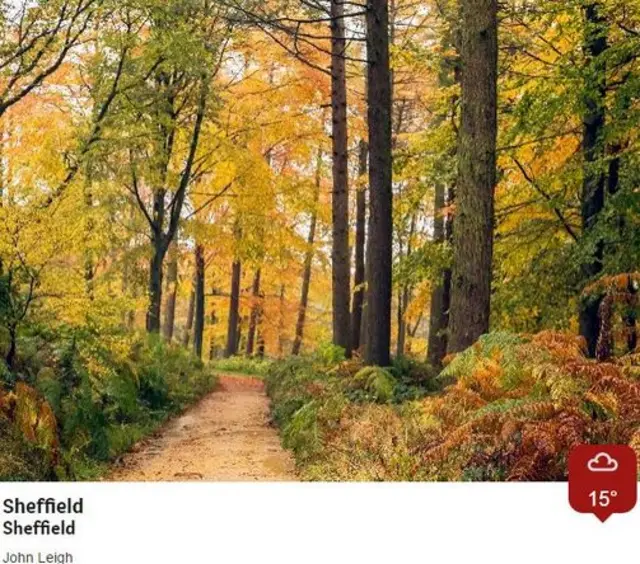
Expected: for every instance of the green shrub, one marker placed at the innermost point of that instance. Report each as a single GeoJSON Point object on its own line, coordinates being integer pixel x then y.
{"type": "Point", "coordinates": [19, 459]}
{"type": "Point", "coordinates": [243, 365]}
{"type": "Point", "coordinates": [329, 354]}
{"type": "Point", "coordinates": [513, 409]}
{"type": "Point", "coordinates": [106, 392]}
{"type": "Point", "coordinates": [376, 383]}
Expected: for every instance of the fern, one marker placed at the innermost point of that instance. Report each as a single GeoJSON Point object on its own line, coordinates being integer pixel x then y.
{"type": "Point", "coordinates": [377, 382]}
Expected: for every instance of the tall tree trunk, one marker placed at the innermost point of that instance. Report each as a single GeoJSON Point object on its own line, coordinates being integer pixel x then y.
{"type": "Point", "coordinates": [261, 346]}
{"type": "Point", "coordinates": [89, 263]}
{"type": "Point", "coordinates": [161, 238]}
{"type": "Point", "coordinates": [239, 339]}
{"type": "Point", "coordinates": [441, 295]}
{"type": "Point", "coordinates": [255, 312]}
{"type": "Point", "coordinates": [379, 249]}
{"type": "Point", "coordinates": [403, 303]}
{"type": "Point", "coordinates": [190, 314]}
{"type": "Point", "coordinates": [213, 320]}
{"type": "Point", "coordinates": [198, 332]}
{"type": "Point", "coordinates": [404, 296]}
{"type": "Point", "coordinates": [473, 235]}
{"type": "Point", "coordinates": [10, 358]}
{"type": "Point", "coordinates": [361, 226]}
{"type": "Point", "coordinates": [593, 185]}
{"type": "Point", "coordinates": [443, 226]}
{"type": "Point", "coordinates": [172, 290]}
{"type": "Point", "coordinates": [234, 311]}
{"type": "Point", "coordinates": [341, 268]}
{"type": "Point", "coordinates": [308, 261]}
{"type": "Point", "coordinates": [281, 335]}
{"type": "Point", "coordinates": [155, 286]}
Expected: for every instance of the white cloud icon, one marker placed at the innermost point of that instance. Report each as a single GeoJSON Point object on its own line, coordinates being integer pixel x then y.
{"type": "Point", "coordinates": [602, 462]}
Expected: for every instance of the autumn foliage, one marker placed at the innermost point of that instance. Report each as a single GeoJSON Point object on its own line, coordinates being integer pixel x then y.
{"type": "Point", "coordinates": [511, 408]}
{"type": "Point", "coordinates": [88, 402]}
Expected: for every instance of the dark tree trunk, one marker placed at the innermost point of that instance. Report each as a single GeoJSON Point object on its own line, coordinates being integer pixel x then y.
{"type": "Point", "coordinates": [308, 262]}
{"type": "Point", "coordinates": [198, 332]}
{"type": "Point", "coordinates": [281, 335]}
{"type": "Point", "coordinates": [261, 346]}
{"type": "Point", "coordinates": [402, 326]}
{"type": "Point", "coordinates": [379, 249]}
{"type": "Point", "coordinates": [473, 235]}
{"type": "Point", "coordinates": [255, 312]}
{"type": "Point", "coordinates": [155, 287]}
{"type": "Point", "coordinates": [213, 320]}
{"type": "Point", "coordinates": [441, 295]}
{"type": "Point", "coordinates": [172, 289]}
{"type": "Point", "coordinates": [234, 311]}
{"type": "Point", "coordinates": [404, 296]}
{"type": "Point", "coordinates": [89, 263]}
{"type": "Point", "coordinates": [10, 358]}
{"type": "Point", "coordinates": [361, 226]}
{"type": "Point", "coordinates": [163, 227]}
{"type": "Point", "coordinates": [341, 268]}
{"type": "Point", "coordinates": [239, 339]}
{"type": "Point", "coordinates": [190, 314]}
{"type": "Point", "coordinates": [593, 185]}
{"type": "Point", "coordinates": [630, 317]}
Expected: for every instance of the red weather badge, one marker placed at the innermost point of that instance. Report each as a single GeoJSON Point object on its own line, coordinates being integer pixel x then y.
{"type": "Point", "coordinates": [603, 479]}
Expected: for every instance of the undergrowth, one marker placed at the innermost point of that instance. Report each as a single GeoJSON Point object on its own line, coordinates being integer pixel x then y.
{"type": "Point", "coordinates": [243, 365]}
{"type": "Point", "coordinates": [67, 410]}
{"type": "Point", "coordinates": [511, 407]}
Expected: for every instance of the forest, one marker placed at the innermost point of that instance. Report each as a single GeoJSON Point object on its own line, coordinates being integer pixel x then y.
{"type": "Point", "coordinates": [416, 220]}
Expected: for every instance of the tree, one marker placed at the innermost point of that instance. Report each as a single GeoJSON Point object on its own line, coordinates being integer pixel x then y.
{"type": "Point", "coordinates": [444, 195]}
{"type": "Point", "coordinates": [198, 331]}
{"type": "Point", "coordinates": [308, 260]}
{"type": "Point", "coordinates": [359, 253]}
{"type": "Point", "coordinates": [473, 233]}
{"type": "Point", "coordinates": [593, 147]}
{"type": "Point", "coordinates": [172, 290]}
{"type": "Point", "coordinates": [234, 309]}
{"type": "Point", "coordinates": [340, 202]}
{"type": "Point", "coordinates": [379, 249]}
{"type": "Point", "coordinates": [36, 41]}
{"type": "Point", "coordinates": [169, 102]}
{"type": "Point", "coordinates": [254, 317]}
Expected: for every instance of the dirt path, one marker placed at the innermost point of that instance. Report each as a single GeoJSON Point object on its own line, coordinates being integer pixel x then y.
{"type": "Point", "coordinates": [226, 437]}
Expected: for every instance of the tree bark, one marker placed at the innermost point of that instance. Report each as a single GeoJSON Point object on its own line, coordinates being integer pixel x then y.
{"type": "Point", "coordinates": [10, 358]}
{"type": "Point", "coordinates": [359, 275]}
{"type": "Point", "coordinates": [255, 312]}
{"type": "Point", "coordinates": [239, 339]}
{"type": "Point", "coordinates": [163, 228]}
{"type": "Point", "coordinates": [341, 268]}
{"type": "Point", "coordinates": [213, 320]}
{"type": "Point", "coordinates": [234, 311]}
{"type": "Point", "coordinates": [89, 262]}
{"type": "Point", "coordinates": [281, 325]}
{"type": "Point", "coordinates": [404, 296]}
{"type": "Point", "coordinates": [379, 249]}
{"type": "Point", "coordinates": [198, 332]}
{"type": "Point", "coordinates": [308, 261]}
{"type": "Point", "coordinates": [261, 345]}
{"type": "Point", "coordinates": [473, 235]}
{"type": "Point", "coordinates": [593, 185]}
{"type": "Point", "coordinates": [155, 286]}
{"type": "Point", "coordinates": [190, 314]}
{"type": "Point", "coordinates": [441, 295]}
{"type": "Point", "coordinates": [172, 289]}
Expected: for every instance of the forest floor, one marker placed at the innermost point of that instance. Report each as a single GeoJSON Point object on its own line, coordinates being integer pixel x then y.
{"type": "Point", "coordinates": [226, 437]}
